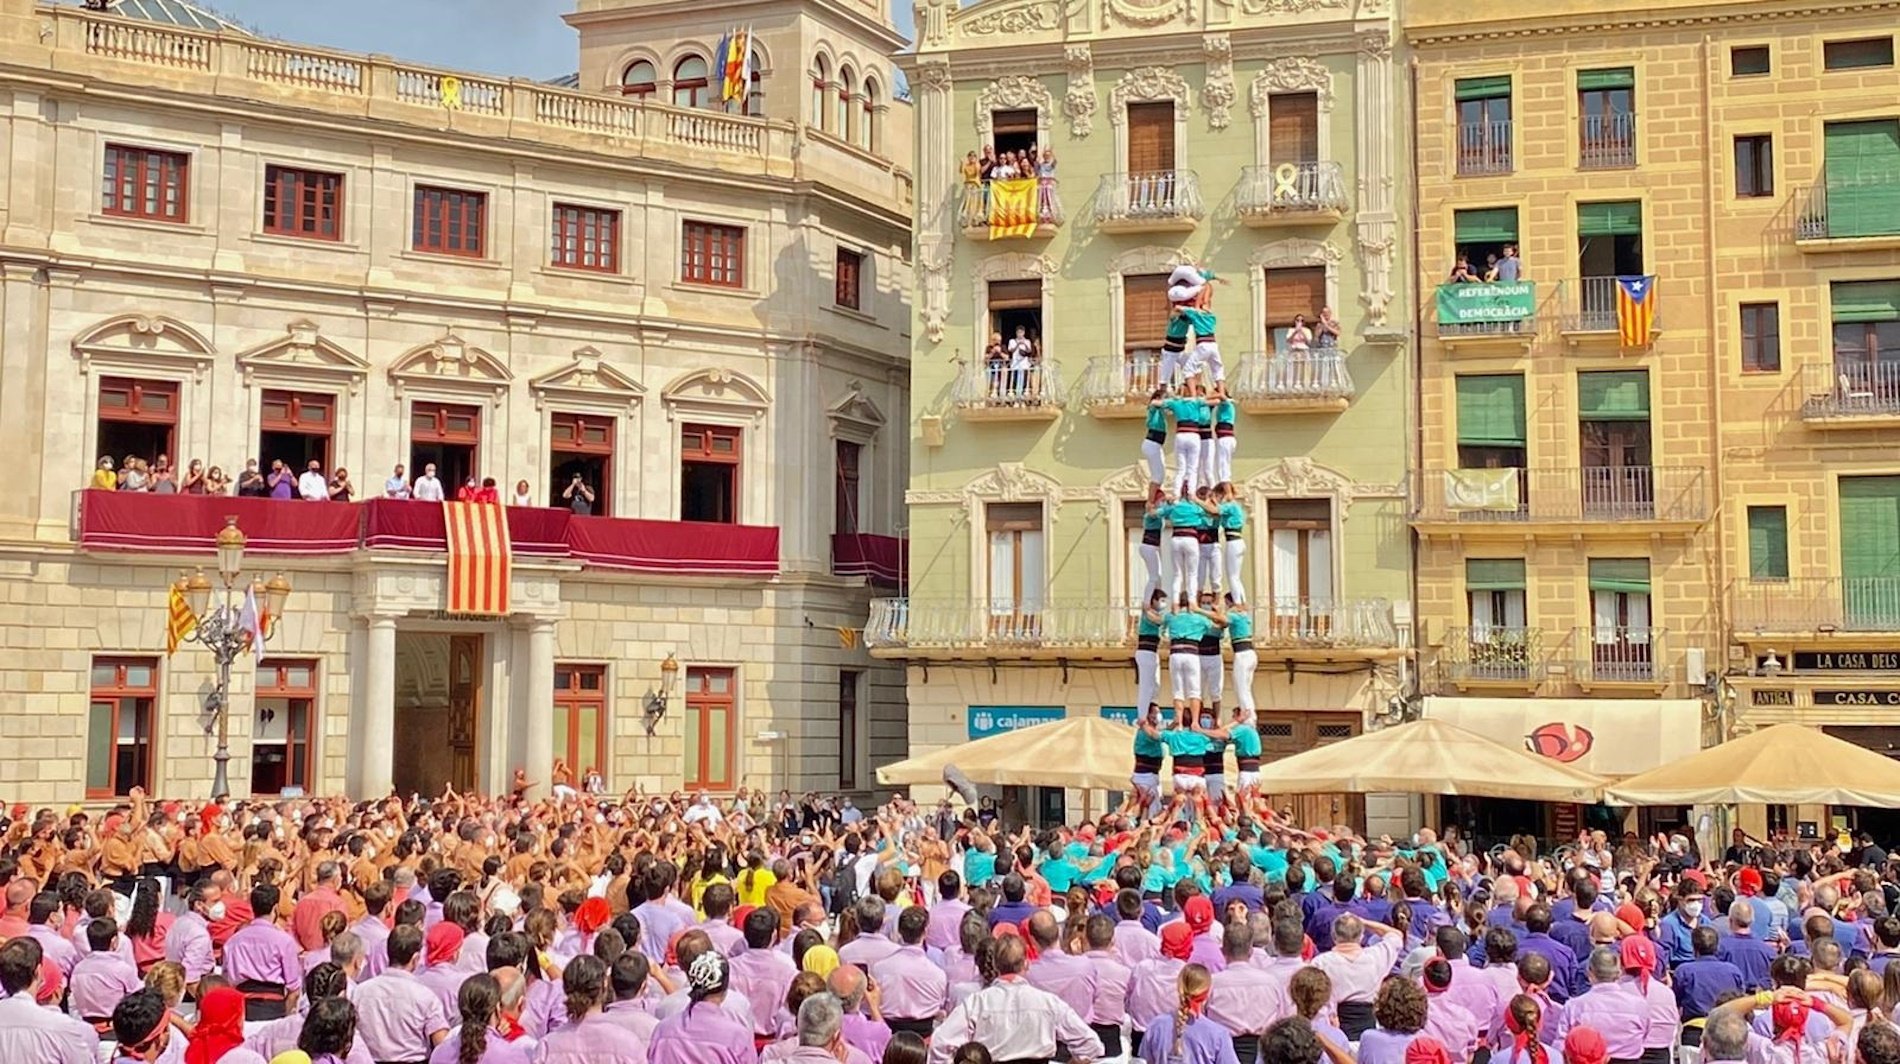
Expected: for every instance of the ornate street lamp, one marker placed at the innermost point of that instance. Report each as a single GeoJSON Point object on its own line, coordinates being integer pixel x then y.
{"type": "Point", "coordinates": [231, 627]}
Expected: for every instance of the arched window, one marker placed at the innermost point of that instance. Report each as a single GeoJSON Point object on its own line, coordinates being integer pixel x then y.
{"type": "Point", "coordinates": [868, 138]}
{"type": "Point", "coordinates": [639, 80]}
{"type": "Point", "coordinates": [755, 91]}
{"type": "Point", "coordinates": [820, 84]}
{"type": "Point", "coordinates": [845, 124]}
{"type": "Point", "coordinates": [691, 85]}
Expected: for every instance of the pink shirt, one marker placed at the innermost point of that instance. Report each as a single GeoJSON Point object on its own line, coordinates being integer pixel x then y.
{"type": "Point", "coordinates": [494, 1050]}
{"type": "Point", "coordinates": [1136, 943]}
{"type": "Point", "coordinates": [1151, 990]}
{"type": "Point", "coordinates": [99, 982]}
{"type": "Point", "coordinates": [1663, 1013]}
{"type": "Point", "coordinates": [55, 948]}
{"type": "Point", "coordinates": [1110, 1005]}
{"type": "Point", "coordinates": [396, 1015]}
{"type": "Point", "coordinates": [1067, 976]}
{"type": "Point", "coordinates": [1617, 1012]}
{"type": "Point", "coordinates": [594, 1040]}
{"type": "Point", "coordinates": [726, 938]}
{"type": "Point", "coordinates": [1474, 993]}
{"type": "Point", "coordinates": [1452, 1024]}
{"type": "Point", "coordinates": [914, 988]}
{"type": "Point", "coordinates": [763, 976]}
{"type": "Point", "coordinates": [702, 1035]}
{"type": "Point", "coordinates": [1247, 1000]}
{"type": "Point", "coordinates": [375, 936]}
{"type": "Point", "coordinates": [636, 1018]}
{"type": "Point", "coordinates": [189, 944]}
{"type": "Point", "coordinates": [946, 923]}
{"type": "Point", "coordinates": [866, 1034]}
{"type": "Point", "coordinates": [445, 982]}
{"type": "Point", "coordinates": [866, 950]}
{"type": "Point", "coordinates": [262, 952]}
{"type": "Point", "coordinates": [1357, 971]}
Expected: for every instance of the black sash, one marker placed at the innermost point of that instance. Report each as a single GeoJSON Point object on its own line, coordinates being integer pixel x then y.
{"type": "Point", "coordinates": [920, 1028]}
{"type": "Point", "coordinates": [1355, 1018]}
{"type": "Point", "coordinates": [1111, 1036]}
{"type": "Point", "coordinates": [263, 1001]}
{"type": "Point", "coordinates": [1246, 1048]}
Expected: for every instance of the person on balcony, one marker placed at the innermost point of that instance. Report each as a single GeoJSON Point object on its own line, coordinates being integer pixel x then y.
{"type": "Point", "coordinates": [1326, 335]}
{"type": "Point", "coordinates": [1046, 187]}
{"type": "Point", "coordinates": [312, 486]}
{"type": "Point", "coordinates": [1299, 339]}
{"type": "Point", "coordinates": [973, 212]}
{"type": "Point", "coordinates": [105, 479]}
{"type": "Point", "coordinates": [1022, 367]}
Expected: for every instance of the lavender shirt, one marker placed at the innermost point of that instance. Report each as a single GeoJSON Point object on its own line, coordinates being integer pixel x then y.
{"type": "Point", "coordinates": [702, 1036]}
{"type": "Point", "coordinates": [866, 950]}
{"type": "Point", "coordinates": [1068, 977]}
{"type": "Point", "coordinates": [262, 952]}
{"type": "Point", "coordinates": [763, 976]}
{"type": "Point", "coordinates": [1110, 1005]}
{"type": "Point", "coordinates": [1380, 1046]}
{"type": "Point", "coordinates": [58, 950]}
{"type": "Point", "coordinates": [946, 923]}
{"type": "Point", "coordinates": [1204, 1042]}
{"type": "Point", "coordinates": [546, 1008]}
{"type": "Point", "coordinates": [99, 982]}
{"type": "Point", "coordinates": [276, 1036]}
{"type": "Point", "coordinates": [395, 1015]}
{"type": "Point", "coordinates": [1136, 943]}
{"type": "Point", "coordinates": [189, 944]}
{"type": "Point", "coordinates": [375, 936]}
{"type": "Point", "coordinates": [494, 1050]}
{"type": "Point", "coordinates": [594, 1040]}
{"type": "Point", "coordinates": [914, 987]}
{"type": "Point", "coordinates": [657, 925]}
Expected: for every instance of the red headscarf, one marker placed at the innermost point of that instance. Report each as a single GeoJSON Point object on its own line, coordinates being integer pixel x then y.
{"type": "Point", "coordinates": [208, 816]}
{"type": "Point", "coordinates": [1199, 913]}
{"type": "Point", "coordinates": [1632, 914]}
{"type": "Point", "coordinates": [1426, 1050]}
{"type": "Point", "coordinates": [593, 915]}
{"type": "Point", "coordinates": [1523, 1039]}
{"type": "Point", "coordinates": [1638, 955]}
{"type": "Point", "coordinates": [1177, 940]}
{"type": "Point", "coordinates": [1791, 1020]}
{"type": "Point", "coordinates": [1585, 1046]}
{"type": "Point", "coordinates": [1748, 882]}
{"type": "Point", "coordinates": [1197, 1004]}
{"type": "Point", "coordinates": [220, 1026]}
{"type": "Point", "coordinates": [444, 942]}
{"type": "Point", "coordinates": [1029, 941]}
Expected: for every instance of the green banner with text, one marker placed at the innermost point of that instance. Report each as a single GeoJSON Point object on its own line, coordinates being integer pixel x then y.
{"type": "Point", "coordinates": [1472, 304]}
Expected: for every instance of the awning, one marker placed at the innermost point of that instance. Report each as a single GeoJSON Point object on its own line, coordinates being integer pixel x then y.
{"type": "Point", "coordinates": [1786, 764]}
{"type": "Point", "coordinates": [1428, 757]}
{"type": "Point", "coordinates": [1611, 737]}
{"type": "Point", "coordinates": [1084, 752]}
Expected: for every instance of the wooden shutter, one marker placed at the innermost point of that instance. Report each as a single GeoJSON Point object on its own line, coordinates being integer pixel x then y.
{"type": "Point", "coordinates": [1144, 310]}
{"type": "Point", "coordinates": [1295, 290]}
{"type": "Point", "coordinates": [1293, 127]}
{"type": "Point", "coordinates": [1768, 542]}
{"type": "Point", "coordinates": [1150, 137]}
{"type": "Point", "coordinates": [1016, 295]}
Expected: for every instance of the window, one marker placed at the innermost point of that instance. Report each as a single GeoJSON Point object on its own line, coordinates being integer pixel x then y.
{"type": "Point", "coordinates": [450, 221]}
{"type": "Point", "coordinates": [296, 427]}
{"type": "Point", "coordinates": [580, 719]}
{"type": "Point", "coordinates": [1483, 233]}
{"type": "Point", "coordinates": [820, 86]}
{"type": "Point", "coordinates": [709, 473]}
{"type": "Point", "coordinates": [712, 254]}
{"type": "Point", "coordinates": [848, 490]}
{"type": "Point", "coordinates": [1755, 165]}
{"type": "Point", "coordinates": [1861, 179]}
{"type": "Point", "coordinates": [1870, 552]}
{"type": "Point", "coordinates": [137, 418]}
{"type": "Point", "coordinates": [1494, 597]}
{"type": "Point", "coordinates": [1748, 61]}
{"type": "Point", "coordinates": [119, 726]}
{"type": "Point", "coordinates": [581, 445]}
{"type": "Point", "coordinates": [585, 238]}
{"type": "Point", "coordinates": [1017, 569]}
{"type": "Point", "coordinates": [306, 203]}
{"type": "Point", "coordinates": [1614, 433]}
{"type": "Point", "coordinates": [1491, 427]}
{"type": "Point", "coordinates": [1858, 54]}
{"type": "Point", "coordinates": [1609, 245]}
{"type": "Point", "coordinates": [1300, 574]}
{"type": "Point", "coordinates": [1292, 128]}
{"type": "Point", "coordinates": [848, 680]}
{"type": "Point", "coordinates": [870, 137]}
{"type": "Point", "coordinates": [1293, 292]}
{"type": "Point", "coordinates": [1761, 337]}
{"type": "Point", "coordinates": [1151, 137]}
{"type": "Point", "coordinates": [1145, 311]}
{"type": "Point", "coordinates": [844, 121]}
{"type": "Point", "coordinates": [849, 270]}
{"type": "Point", "coordinates": [1014, 130]}
{"type": "Point", "coordinates": [1484, 124]}
{"type": "Point", "coordinates": [445, 436]}
{"type": "Point", "coordinates": [1014, 305]}
{"type": "Point", "coordinates": [281, 740]}
{"type": "Point", "coordinates": [711, 729]}
{"type": "Point", "coordinates": [639, 80]}
{"type": "Point", "coordinates": [1768, 543]}
{"type": "Point", "coordinates": [1620, 633]}
{"type": "Point", "coordinates": [144, 183]}
{"type": "Point", "coordinates": [1606, 102]}
{"type": "Point", "coordinates": [692, 85]}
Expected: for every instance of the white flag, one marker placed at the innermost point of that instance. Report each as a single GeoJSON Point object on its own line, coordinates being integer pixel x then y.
{"type": "Point", "coordinates": [251, 620]}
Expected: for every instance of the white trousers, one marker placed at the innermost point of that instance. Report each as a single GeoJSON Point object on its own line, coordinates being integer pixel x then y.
{"type": "Point", "coordinates": [1187, 566]}
{"type": "Point", "coordinates": [1187, 459]}
{"type": "Point", "coordinates": [1170, 362]}
{"type": "Point", "coordinates": [1147, 679]}
{"type": "Point", "coordinates": [1207, 461]}
{"type": "Point", "coordinates": [1207, 353]}
{"type": "Point", "coordinates": [1157, 467]}
{"type": "Point", "coordinates": [1213, 679]}
{"type": "Point", "coordinates": [1245, 661]}
{"type": "Point", "coordinates": [1210, 565]}
{"type": "Point", "coordinates": [1184, 672]}
{"type": "Point", "coordinates": [1151, 561]}
{"type": "Point", "coordinates": [1233, 563]}
{"type": "Point", "coordinates": [1224, 459]}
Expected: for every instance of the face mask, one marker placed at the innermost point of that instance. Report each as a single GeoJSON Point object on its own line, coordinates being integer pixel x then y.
{"type": "Point", "coordinates": [216, 912]}
{"type": "Point", "coordinates": [1692, 910]}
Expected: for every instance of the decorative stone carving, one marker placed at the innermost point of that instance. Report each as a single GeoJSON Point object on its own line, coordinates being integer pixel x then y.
{"type": "Point", "coordinates": [1031, 18]}
{"type": "Point", "coordinates": [1151, 258]}
{"type": "Point", "coordinates": [716, 388]}
{"type": "Point", "coordinates": [1015, 92]}
{"type": "Point", "coordinates": [1078, 99]}
{"type": "Point", "coordinates": [1376, 239]}
{"type": "Point", "coordinates": [451, 361]}
{"type": "Point", "coordinates": [1291, 74]}
{"type": "Point", "coordinates": [1290, 7]}
{"type": "Point", "coordinates": [1130, 481]}
{"type": "Point", "coordinates": [854, 415]}
{"type": "Point", "coordinates": [934, 76]}
{"type": "Point", "coordinates": [588, 378]}
{"type": "Point", "coordinates": [1294, 252]}
{"type": "Point", "coordinates": [1014, 482]}
{"type": "Point", "coordinates": [1015, 266]}
{"type": "Point", "coordinates": [1376, 43]}
{"type": "Point", "coordinates": [1218, 92]}
{"type": "Point", "coordinates": [1148, 13]}
{"type": "Point", "coordinates": [933, 276]}
{"type": "Point", "coordinates": [152, 340]}
{"type": "Point", "coordinates": [933, 19]}
{"type": "Point", "coordinates": [301, 353]}
{"type": "Point", "coordinates": [1144, 84]}
{"type": "Point", "coordinates": [1299, 477]}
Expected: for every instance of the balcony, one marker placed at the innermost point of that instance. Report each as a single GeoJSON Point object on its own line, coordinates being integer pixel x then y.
{"type": "Point", "coordinates": [1606, 142]}
{"type": "Point", "coordinates": [1619, 656]}
{"type": "Point", "coordinates": [1283, 383]}
{"type": "Point", "coordinates": [1484, 316]}
{"type": "Point", "coordinates": [1851, 394]}
{"type": "Point", "coordinates": [188, 524]}
{"type": "Point", "coordinates": [1291, 194]}
{"type": "Point", "coordinates": [1591, 311]}
{"type": "Point", "coordinates": [884, 561]}
{"type": "Point", "coordinates": [1464, 502]}
{"type": "Point", "coordinates": [1493, 656]}
{"type": "Point", "coordinates": [1484, 148]}
{"type": "Point", "coordinates": [982, 215]}
{"type": "Point", "coordinates": [1121, 387]}
{"type": "Point", "coordinates": [1283, 628]}
{"type": "Point", "coordinates": [986, 392]}
{"type": "Point", "coordinates": [1161, 201]}
{"type": "Point", "coordinates": [1825, 605]}
{"type": "Point", "coordinates": [1835, 216]}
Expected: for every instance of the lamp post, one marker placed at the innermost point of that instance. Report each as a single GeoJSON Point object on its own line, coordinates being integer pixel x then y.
{"type": "Point", "coordinates": [224, 629]}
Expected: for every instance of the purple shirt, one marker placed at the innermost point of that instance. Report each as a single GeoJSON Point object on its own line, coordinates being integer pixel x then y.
{"type": "Point", "coordinates": [726, 938]}
{"type": "Point", "coordinates": [396, 1015]}
{"type": "Point", "coordinates": [1452, 1025]}
{"type": "Point", "coordinates": [1380, 1046]}
{"type": "Point", "coordinates": [1068, 977]}
{"type": "Point", "coordinates": [636, 1017]}
{"type": "Point", "coordinates": [545, 1008]}
{"type": "Point", "coordinates": [914, 987]}
{"type": "Point", "coordinates": [58, 950]}
{"type": "Point", "coordinates": [1136, 943]}
{"type": "Point", "coordinates": [946, 923]}
{"type": "Point", "coordinates": [594, 1040]}
{"type": "Point", "coordinates": [494, 1050]}
{"type": "Point", "coordinates": [375, 936]}
{"type": "Point", "coordinates": [867, 1034]}
{"type": "Point", "coordinates": [1617, 1012]}
{"type": "Point", "coordinates": [657, 926]}
{"type": "Point", "coordinates": [278, 1035]}
{"type": "Point", "coordinates": [188, 943]}
{"type": "Point", "coordinates": [1110, 1005]}
{"type": "Point", "coordinates": [1204, 1042]}
{"type": "Point", "coordinates": [99, 982]}
{"type": "Point", "coordinates": [262, 952]}
{"type": "Point", "coordinates": [1247, 1000]}
{"type": "Point", "coordinates": [702, 1036]}
{"type": "Point", "coordinates": [1151, 990]}
{"type": "Point", "coordinates": [866, 950]}
{"type": "Point", "coordinates": [764, 976]}
{"type": "Point", "coordinates": [1206, 953]}
{"type": "Point", "coordinates": [1472, 992]}
{"type": "Point", "coordinates": [445, 982]}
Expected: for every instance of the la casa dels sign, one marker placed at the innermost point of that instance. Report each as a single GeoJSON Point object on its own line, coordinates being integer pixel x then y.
{"type": "Point", "coordinates": [1840, 661]}
{"type": "Point", "coordinates": [1847, 660]}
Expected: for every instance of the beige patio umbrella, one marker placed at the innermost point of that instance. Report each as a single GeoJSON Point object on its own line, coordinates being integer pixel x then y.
{"type": "Point", "coordinates": [1082, 752]}
{"type": "Point", "coordinates": [1428, 757]}
{"type": "Point", "coordinates": [1784, 764]}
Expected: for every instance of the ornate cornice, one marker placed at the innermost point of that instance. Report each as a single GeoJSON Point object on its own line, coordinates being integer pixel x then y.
{"type": "Point", "coordinates": [1145, 84]}
{"type": "Point", "coordinates": [1523, 24]}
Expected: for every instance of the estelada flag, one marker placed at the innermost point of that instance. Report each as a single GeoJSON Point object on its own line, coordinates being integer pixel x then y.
{"type": "Point", "coordinates": [1013, 208]}
{"type": "Point", "coordinates": [1635, 310]}
{"type": "Point", "coordinates": [479, 557]}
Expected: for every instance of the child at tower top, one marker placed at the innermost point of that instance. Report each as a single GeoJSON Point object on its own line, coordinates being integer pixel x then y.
{"type": "Point", "coordinates": [1190, 294]}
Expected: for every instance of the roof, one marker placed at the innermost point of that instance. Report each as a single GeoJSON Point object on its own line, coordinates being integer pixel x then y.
{"type": "Point", "coordinates": [565, 81]}
{"type": "Point", "coordinates": [173, 13]}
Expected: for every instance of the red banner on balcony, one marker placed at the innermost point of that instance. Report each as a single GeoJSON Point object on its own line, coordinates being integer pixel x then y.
{"type": "Point", "coordinates": [686, 547]}
{"type": "Point", "coordinates": [879, 559]}
{"type": "Point", "coordinates": [189, 524]}
{"type": "Point", "coordinates": [479, 557]}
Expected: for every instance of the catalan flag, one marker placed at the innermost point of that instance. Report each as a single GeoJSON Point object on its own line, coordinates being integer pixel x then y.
{"type": "Point", "coordinates": [735, 64]}
{"type": "Point", "coordinates": [1635, 309]}
{"type": "Point", "coordinates": [479, 557]}
{"type": "Point", "coordinates": [179, 623]}
{"type": "Point", "coordinates": [1013, 208]}
{"type": "Point", "coordinates": [847, 638]}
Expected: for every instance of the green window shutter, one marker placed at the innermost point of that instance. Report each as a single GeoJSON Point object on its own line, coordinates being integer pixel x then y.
{"type": "Point", "coordinates": [1862, 178]}
{"type": "Point", "coordinates": [1619, 218]}
{"type": "Point", "coordinates": [1491, 410]}
{"type": "Point", "coordinates": [1614, 395]}
{"type": "Point", "coordinates": [1494, 225]}
{"type": "Point", "coordinates": [1615, 78]}
{"type": "Point", "coordinates": [1768, 543]}
{"type": "Point", "coordinates": [1483, 88]}
{"type": "Point", "coordinates": [1628, 575]}
{"type": "Point", "coordinates": [1856, 301]}
{"type": "Point", "coordinates": [1494, 574]}
{"type": "Point", "coordinates": [1870, 527]}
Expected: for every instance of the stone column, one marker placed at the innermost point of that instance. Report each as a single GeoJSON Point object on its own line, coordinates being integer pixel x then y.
{"type": "Point", "coordinates": [376, 731]}
{"type": "Point", "coordinates": [538, 718]}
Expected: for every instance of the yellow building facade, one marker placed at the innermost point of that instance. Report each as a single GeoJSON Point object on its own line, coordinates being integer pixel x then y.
{"type": "Point", "coordinates": [1654, 459]}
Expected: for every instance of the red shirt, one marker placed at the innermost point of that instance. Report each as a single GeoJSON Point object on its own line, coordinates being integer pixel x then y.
{"type": "Point", "coordinates": [487, 494]}
{"type": "Point", "coordinates": [237, 913]}
{"type": "Point", "coordinates": [306, 920]}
